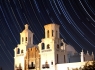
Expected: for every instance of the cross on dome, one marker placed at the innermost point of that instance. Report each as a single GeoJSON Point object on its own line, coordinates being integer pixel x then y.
{"type": "Point", "coordinates": [26, 26]}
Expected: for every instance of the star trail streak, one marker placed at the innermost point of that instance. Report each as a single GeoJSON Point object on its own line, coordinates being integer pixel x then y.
{"type": "Point", "coordinates": [75, 17]}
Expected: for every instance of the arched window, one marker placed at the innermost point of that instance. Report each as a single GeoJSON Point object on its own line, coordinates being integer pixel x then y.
{"type": "Point", "coordinates": [26, 39]}
{"type": "Point", "coordinates": [57, 46]}
{"type": "Point", "coordinates": [61, 44]}
{"type": "Point", "coordinates": [48, 46]}
{"type": "Point", "coordinates": [21, 51]}
{"type": "Point", "coordinates": [52, 63]}
{"type": "Point", "coordinates": [48, 34]}
{"type": "Point", "coordinates": [52, 32]}
{"type": "Point", "coordinates": [32, 64]}
{"type": "Point", "coordinates": [18, 51]}
{"type": "Point", "coordinates": [43, 46]}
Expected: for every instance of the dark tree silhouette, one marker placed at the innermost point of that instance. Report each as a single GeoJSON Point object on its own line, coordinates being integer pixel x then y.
{"type": "Point", "coordinates": [88, 66]}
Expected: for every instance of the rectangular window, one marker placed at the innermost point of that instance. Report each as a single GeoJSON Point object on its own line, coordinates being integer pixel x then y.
{"type": "Point", "coordinates": [64, 58]}
{"type": "Point", "coordinates": [56, 34]}
{"type": "Point", "coordinates": [52, 32]}
{"type": "Point", "coordinates": [48, 34]}
{"type": "Point", "coordinates": [52, 63]}
{"type": "Point", "coordinates": [57, 58]}
{"type": "Point", "coordinates": [26, 38]}
{"type": "Point", "coordinates": [31, 66]}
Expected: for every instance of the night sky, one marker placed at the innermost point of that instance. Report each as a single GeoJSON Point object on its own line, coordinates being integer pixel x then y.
{"type": "Point", "coordinates": [75, 17]}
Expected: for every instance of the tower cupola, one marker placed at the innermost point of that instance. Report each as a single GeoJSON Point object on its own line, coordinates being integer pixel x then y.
{"type": "Point", "coordinates": [26, 36]}
{"type": "Point", "coordinates": [52, 31]}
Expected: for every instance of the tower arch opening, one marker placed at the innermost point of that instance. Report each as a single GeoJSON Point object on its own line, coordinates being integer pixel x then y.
{"type": "Point", "coordinates": [48, 46]}
{"type": "Point", "coordinates": [18, 51]}
{"type": "Point", "coordinates": [43, 46]}
{"type": "Point", "coordinates": [48, 34]}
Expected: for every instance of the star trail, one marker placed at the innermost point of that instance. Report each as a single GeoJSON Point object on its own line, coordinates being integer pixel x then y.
{"type": "Point", "coordinates": [75, 17]}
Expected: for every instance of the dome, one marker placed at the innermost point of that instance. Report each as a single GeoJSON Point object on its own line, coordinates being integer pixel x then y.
{"type": "Point", "coordinates": [26, 30]}
{"type": "Point", "coordinates": [69, 48]}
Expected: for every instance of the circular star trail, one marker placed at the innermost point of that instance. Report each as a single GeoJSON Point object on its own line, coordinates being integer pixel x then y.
{"type": "Point", "coordinates": [75, 17]}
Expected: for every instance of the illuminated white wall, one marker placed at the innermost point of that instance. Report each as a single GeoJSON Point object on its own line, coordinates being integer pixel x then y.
{"type": "Point", "coordinates": [19, 58]}
{"type": "Point", "coordinates": [70, 66]}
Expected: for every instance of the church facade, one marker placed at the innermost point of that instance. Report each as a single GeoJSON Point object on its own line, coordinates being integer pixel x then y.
{"type": "Point", "coordinates": [51, 53]}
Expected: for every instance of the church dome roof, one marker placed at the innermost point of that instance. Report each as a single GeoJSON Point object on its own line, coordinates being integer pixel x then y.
{"type": "Point", "coordinates": [26, 30]}
{"type": "Point", "coordinates": [69, 48]}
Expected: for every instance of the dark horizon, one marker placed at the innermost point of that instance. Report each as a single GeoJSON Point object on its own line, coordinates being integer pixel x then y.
{"type": "Point", "coordinates": [76, 20]}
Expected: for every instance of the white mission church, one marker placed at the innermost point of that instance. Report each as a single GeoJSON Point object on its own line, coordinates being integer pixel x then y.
{"type": "Point", "coordinates": [52, 53]}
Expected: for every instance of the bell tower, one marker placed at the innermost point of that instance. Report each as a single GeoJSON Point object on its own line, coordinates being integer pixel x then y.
{"type": "Point", "coordinates": [50, 48]}
{"type": "Point", "coordinates": [26, 36]}
{"type": "Point", "coordinates": [52, 31]}
{"type": "Point", "coordinates": [26, 41]}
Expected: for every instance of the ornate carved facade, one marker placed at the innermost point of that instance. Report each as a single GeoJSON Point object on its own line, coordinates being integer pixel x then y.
{"type": "Point", "coordinates": [32, 59]}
